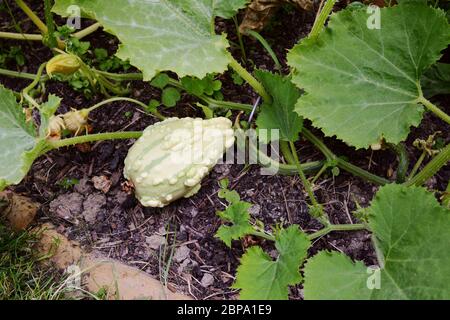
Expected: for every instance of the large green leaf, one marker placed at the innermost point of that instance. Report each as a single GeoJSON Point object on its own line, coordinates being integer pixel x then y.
{"type": "Point", "coordinates": [174, 35]}
{"type": "Point", "coordinates": [261, 278]}
{"type": "Point", "coordinates": [412, 234]}
{"type": "Point", "coordinates": [436, 80]}
{"type": "Point", "coordinates": [363, 84]}
{"type": "Point", "coordinates": [17, 140]}
{"type": "Point", "coordinates": [279, 114]}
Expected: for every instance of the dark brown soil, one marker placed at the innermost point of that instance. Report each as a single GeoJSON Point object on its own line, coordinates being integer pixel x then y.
{"type": "Point", "coordinates": [120, 227]}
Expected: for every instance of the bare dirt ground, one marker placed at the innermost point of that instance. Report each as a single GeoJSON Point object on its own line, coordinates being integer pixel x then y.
{"type": "Point", "coordinates": [102, 214]}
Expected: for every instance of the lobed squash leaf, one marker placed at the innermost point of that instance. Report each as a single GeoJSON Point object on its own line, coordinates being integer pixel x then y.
{"type": "Point", "coordinates": [362, 84]}
{"type": "Point", "coordinates": [261, 278]}
{"type": "Point", "coordinates": [19, 143]}
{"type": "Point", "coordinates": [411, 233]}
{"type": "Point", "coordinates": [163, 35]}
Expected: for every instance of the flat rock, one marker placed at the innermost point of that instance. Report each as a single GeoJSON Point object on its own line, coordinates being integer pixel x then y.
{"type": "Point", "coordinates": [207, 280]}
{"type": "Point", "coordinates": [155, 241]}
{"type": "Point", "coordinates": [67, 206]}
{"type": "Point", "coordinates": [119, 280]}
{"type": "Point", "coordinates": [92, 206]}
{"type": "Point", "coordinates": [19, 211]}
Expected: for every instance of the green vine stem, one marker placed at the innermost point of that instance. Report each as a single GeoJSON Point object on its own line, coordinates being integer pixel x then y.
{"type": "Point", "coordinates": [357, 171]}
{"type": "Point", "coordinates": [51, 40]}
{"type": "Point", "coordinates": [318, 234]}
{"type": "Point", "coordinates": [87, 31]}
{"type": "Point", "coordinates": [139, 103]}
{"type": "Point", "coordinates": [431, 107]}
{"type": "Point", "coordinates": [337, 227]}
{"type": "Point", "coordinates": [22, 75]}
{"type": "Point", "coordinates": [417, 164]}
{"type": "Point", "coordinates": [403, 160]}
{"type": "Point", "coordinates": [92, 138]}
{"type": "Point", "coordinates": [32, 85]}
{"type": "Point", "coordinates": [255, 84]}
{"type": "Point", "coordinates": [38, 37]}
{"type": "Point", "coordinates": [286, 151]}
{"type": "Point", "coordinates": [266, 46]}
{"type": "Point", "coordinates": [20, 36]}
{"type": "Point", "coordinates": [268, 162]}
{"type": "Point", "coordinates": [38, 22]}
{"type": "Point", "coordinates": [317, 208]}
{"type": "Point", "coordinates": [431, 168]}
{"type": "Point", "coordinates": [319, 23]}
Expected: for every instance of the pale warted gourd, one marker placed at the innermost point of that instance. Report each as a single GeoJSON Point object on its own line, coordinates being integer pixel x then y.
{"type": "Point", "coordinates": [173, 156]}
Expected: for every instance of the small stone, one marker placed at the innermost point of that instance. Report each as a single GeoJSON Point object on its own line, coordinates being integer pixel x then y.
{"type": "Point", "coordinates": [182, 253]}
{"type": "Point", "coordinates": [102, 183]}
{"type": "Point", "coordinates": [155, 241]}
{"type": "Point", "coordinates": [67, 206]}
{"type": "Point", "coordinates": [207, 280]}
{"type": "Point", "coordinates": [92, 206]}
{"type": "Point", "coordinates": [255, 210]}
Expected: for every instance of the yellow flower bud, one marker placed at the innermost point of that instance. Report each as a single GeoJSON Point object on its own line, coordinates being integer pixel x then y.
{"type": "Point", "coordinates": [63, 64]}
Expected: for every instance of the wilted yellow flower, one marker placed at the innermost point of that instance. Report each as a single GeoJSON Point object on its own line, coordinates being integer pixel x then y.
{"type": "Point", "coordinates": [55, 127]}
{"type": "Point", "coordinates": [76, 120]}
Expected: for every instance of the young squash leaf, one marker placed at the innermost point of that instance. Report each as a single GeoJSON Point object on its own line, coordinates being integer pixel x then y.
{"type": "Point", "coordinates": [363, 84]}
{"type": "Point", "coordinates": [280, 114]}
{"type": "Point", "coordinates": [411, 232]}
{"type": "Point", "coordinates": [237, 214]}
{"type": "Point", "coordinates": [261, 278]}
{"type": "Point", "coordinates": [19, 144]}
{"type": "Point", "coordinates": [163, 35]}
{"type": "Point", "coordinates": [436, 80]}
{"type": "Point", "coordinates": [47, 110]}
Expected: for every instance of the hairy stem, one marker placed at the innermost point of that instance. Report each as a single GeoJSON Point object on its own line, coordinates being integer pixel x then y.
{"type": "Point", "coordinates": [323, 232]}
{"type": "Point", "coordinates": [38, 37]}
{"type": "Point", "coordinates": [52, 41]}
{"type": "Point", "coordinates": [417, 165]}
{"type": "Point", "coordinates": [32, 85]}
{"type": "Point", "coordinates": [265, 161]}
{"type": "Point", "coordinates": [255, 84]}
{"type": "Point", "coordinates": [433, 108]}
{"type": "Point", "coordinates": [22, 75]}
{"type": "Point", "coordinates": [87, 31]}
{"type": "Point", "coordinates": [286, 151]}
{"type": "Point", "coordinates": [403, 161]}
{"type": "Point", "coordinates": [337, 227]}
{"type": "Point", "coordinates": [321, 18]}
{"type": "Point", "coordinates": [92, 138]}
{"type": "Point", "coordinates": [263, 235]}
{"type": "Point", "coordinates": [139, 103]}
{"type": "Point", "coordinates": [20, 36]}
{"type": "Point", "coordinates": [344, 165]}
{"type": "Point", "coordinates": [431, 168]}
{"type": "Point", "coordinates": [30, 13]}
{"type": "Point", "coordinates": [306, 184]}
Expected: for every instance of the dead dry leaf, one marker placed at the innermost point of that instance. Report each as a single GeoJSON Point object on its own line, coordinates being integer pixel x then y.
{"type": "Point", "coordinates": [259, 12]}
